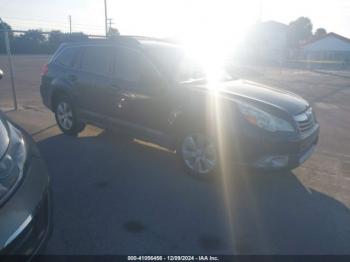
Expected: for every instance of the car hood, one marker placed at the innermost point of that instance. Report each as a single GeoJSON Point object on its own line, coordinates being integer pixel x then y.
{"type": "Point", "coordinates": [257, 93]}
{"type": "Point", "coordinates": [4, 138]}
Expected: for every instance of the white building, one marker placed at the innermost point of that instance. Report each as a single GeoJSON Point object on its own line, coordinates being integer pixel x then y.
{"type": "Point", "coordinates": [267, 42]}
{"type": "Point", "coordinates": [331, 47]}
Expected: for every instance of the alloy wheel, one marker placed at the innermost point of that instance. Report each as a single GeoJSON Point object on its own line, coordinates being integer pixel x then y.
{"type": "Point", "coordinates": [199, 153]}
{"type": "Point", "coordinates": [65, 115]}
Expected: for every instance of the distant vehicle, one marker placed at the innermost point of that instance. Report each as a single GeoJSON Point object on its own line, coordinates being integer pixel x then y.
{"type": "Point", "coordinates": [152, 90]}
{"type": "Point", "coordinates": [25, 207]}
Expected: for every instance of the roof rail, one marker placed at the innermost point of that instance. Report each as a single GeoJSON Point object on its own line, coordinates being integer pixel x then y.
{"type": "Point", "coordinates": [139, 37]}
{"type": "Point", "coordinates": [117, 39]}
{"type": "Point", "coordinates": [131, 40]}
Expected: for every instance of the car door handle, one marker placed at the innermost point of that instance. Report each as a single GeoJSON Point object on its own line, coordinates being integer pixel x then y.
{"type": "Point", "coordinates": [121, 103]}
{"type": "Point", "coordinates": [127, 95]}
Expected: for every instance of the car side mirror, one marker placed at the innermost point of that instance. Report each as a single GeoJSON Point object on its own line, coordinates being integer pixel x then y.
{"type": "Point", "coordinates": [1, 74]}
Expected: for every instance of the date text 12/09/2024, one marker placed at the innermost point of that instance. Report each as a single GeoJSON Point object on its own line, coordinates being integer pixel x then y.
{"type": "Point", "coordinates": [173, 258]}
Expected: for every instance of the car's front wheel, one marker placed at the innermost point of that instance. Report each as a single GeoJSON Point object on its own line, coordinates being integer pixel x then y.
{"type": "Point", "coordinates": [198, 153]}
{"type": "Point", "coordinates": [66, 117]}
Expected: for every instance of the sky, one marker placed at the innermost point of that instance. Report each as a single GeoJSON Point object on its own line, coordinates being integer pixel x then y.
{"type": "Point", "coordinates": [173, 18]}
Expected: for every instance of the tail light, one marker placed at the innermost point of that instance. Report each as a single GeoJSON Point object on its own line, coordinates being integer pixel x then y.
{"type": "Point", "coordinates": [45, 70]}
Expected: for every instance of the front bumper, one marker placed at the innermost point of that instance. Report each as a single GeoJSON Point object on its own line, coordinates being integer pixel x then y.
{"type": "Point", "coordinates": [25, 223]}
{"type": "Point", "coordinates": [277, 151]}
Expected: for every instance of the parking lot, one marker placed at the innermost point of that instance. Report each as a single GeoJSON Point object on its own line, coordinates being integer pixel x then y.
{"type": "Point", "coordinates": [117, 195]}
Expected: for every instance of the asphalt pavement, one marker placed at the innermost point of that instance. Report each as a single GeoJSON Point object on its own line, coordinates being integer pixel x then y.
{"type": "Point", "coordinates": [116, 195]}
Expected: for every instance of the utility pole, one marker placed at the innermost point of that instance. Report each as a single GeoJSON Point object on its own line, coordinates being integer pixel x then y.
{"type": "Point", "coordinates": [261, 10]}
{"type": "Point", "coordinates": [106, 28]}
{"type": "Point", "coordinates": [70, 24]}
{"type": "Point", "coordinates": [109, 23]}
{"type": "Point", "coordinates": [8, 51]}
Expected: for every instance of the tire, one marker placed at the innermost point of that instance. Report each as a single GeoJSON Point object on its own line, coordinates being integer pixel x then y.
{"type": "Point", "coordinates": [66, 117]}
{"type": "Point", "coordinates": [198, 154]}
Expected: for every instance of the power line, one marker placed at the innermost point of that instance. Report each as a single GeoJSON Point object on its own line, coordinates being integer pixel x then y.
{"type": "Point", "coordinates": [110, 22]}
{"type": "Point", "coordinates": [52, 28]}
{"type": "Point", "coordinates": [60, 28]}
{"type": "Point", "coordinates": [52, 25]}
{"type": "Point", "coordinates": [61, 21]}
{"type": "Point", "coordinates": [53, 22]}
{"type": "Point", "coordinates": [49, 32]}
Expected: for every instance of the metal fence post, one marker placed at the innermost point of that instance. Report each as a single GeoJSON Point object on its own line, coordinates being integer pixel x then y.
{"type": "Point", "coordinates": [9, 58]}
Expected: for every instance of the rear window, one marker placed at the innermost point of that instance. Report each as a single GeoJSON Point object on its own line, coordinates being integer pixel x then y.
{"type": "Point", "coordinates": [67, 57]}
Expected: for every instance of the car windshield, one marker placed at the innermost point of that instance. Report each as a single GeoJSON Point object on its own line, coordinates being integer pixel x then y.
{"type": "Point", "coordinates": [177, 66]}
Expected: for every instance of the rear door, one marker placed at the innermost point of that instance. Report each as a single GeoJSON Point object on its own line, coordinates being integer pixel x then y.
{"type": "Point", "coordinates": [95, 81]}
{"type": "Point", "coordinates": [66, 68]}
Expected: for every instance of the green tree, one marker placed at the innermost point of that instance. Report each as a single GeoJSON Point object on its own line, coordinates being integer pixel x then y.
{"type": "Point", "coordinates": [34, 36]}
{"type": "Point", "coordinates": [113, 31]}
{"type": "Point", "coordinates": [36, 42]}
{"type": "Point", "coordinates": [320, 32]}
{"type": "Point", "coordinates": [30, 42]}
{"type": "Point", "coordinates": [299, 31]}
{"type": "Point", "coordinates": [55, 37]}
{"type": "Point", "coordinates": [76, 37]}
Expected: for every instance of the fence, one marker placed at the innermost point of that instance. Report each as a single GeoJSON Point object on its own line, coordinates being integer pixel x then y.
{"type": "Point", "coordinates": [33, 42]}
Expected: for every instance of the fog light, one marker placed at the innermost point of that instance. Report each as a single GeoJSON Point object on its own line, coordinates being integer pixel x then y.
{"type": "Point", "coordinates": [272, 161]}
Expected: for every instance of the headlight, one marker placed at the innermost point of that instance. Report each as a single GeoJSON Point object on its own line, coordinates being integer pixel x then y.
{"type": "Point", "coordinates": [263, 119]}
{"type": "Point", "coordinates": [12, 163]}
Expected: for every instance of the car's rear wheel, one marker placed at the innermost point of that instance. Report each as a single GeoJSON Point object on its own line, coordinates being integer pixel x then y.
{"type": "Point", "coordinates": [198, 154]}
{"type": "Point", "coordinates": [66, 117]}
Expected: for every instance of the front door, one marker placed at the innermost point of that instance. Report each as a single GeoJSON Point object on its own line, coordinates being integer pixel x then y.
{"type": "Point", "coordinates": [142, 98]}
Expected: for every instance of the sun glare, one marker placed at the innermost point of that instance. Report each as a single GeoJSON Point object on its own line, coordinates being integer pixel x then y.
{"type": "Point", "coordinates": [211, 44]}
{"type": "Point", "coordinates": [211, 31]}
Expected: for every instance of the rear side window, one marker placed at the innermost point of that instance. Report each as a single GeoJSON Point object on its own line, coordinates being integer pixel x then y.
{"type": "Point", "coordinates": [97, 60]}
{"type": "Point", "coordinates": [68, 57]}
